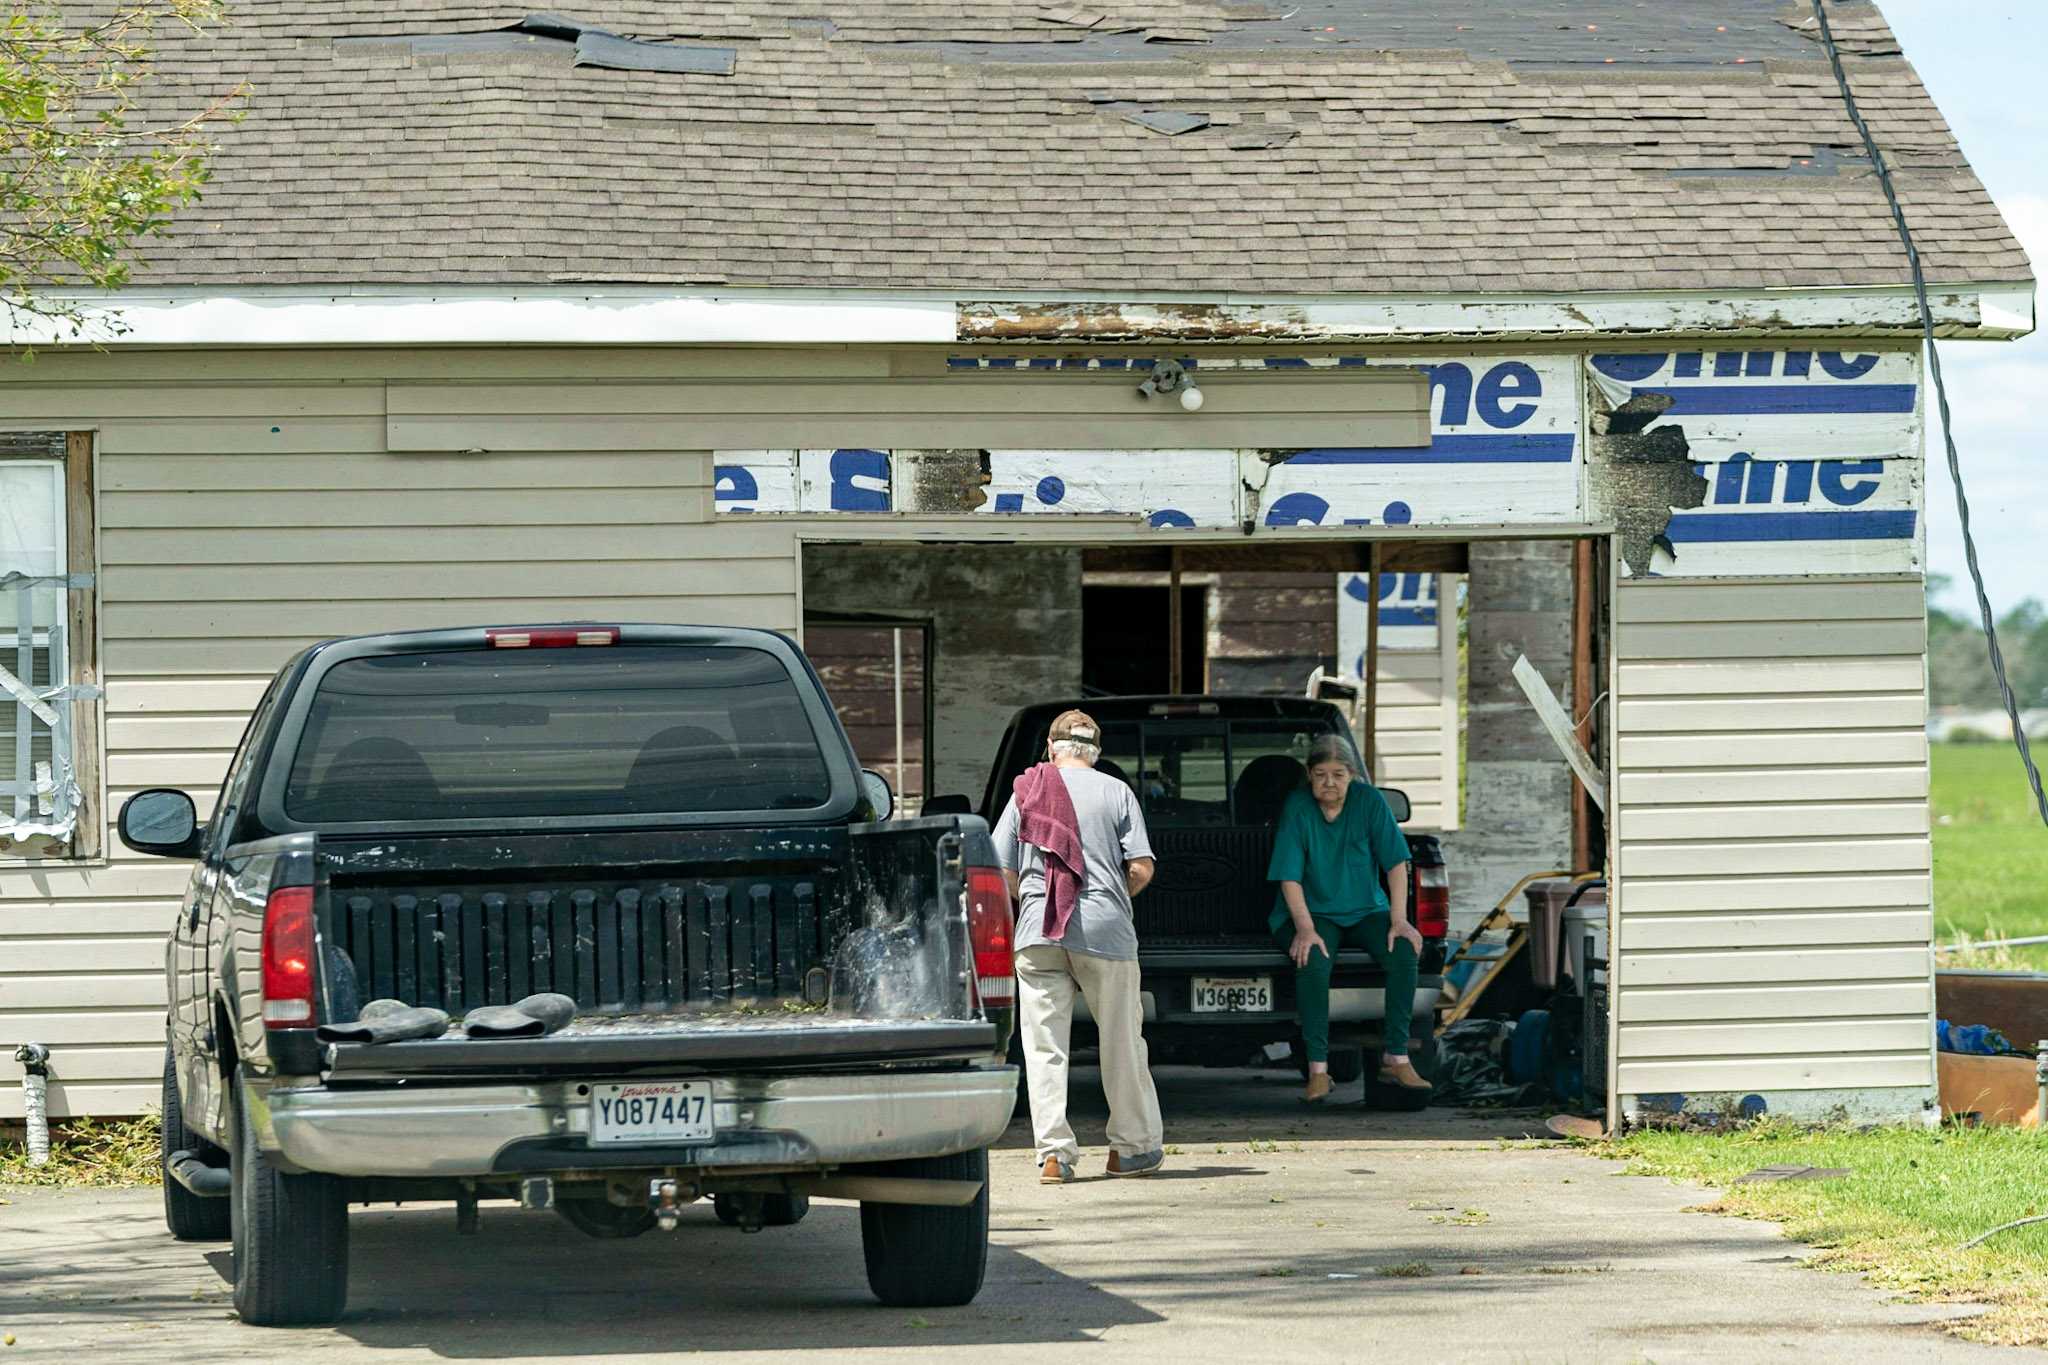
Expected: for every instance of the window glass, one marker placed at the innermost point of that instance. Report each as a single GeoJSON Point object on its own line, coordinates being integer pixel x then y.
{"type": "Point", "coordinates": [31, 638]}
{"type": "Point", "coordinates": [594, 730]}
{"type": "Point", "coordinates": [1184, 779]}
{"type": "Point", "coordinates": [1120, 754]}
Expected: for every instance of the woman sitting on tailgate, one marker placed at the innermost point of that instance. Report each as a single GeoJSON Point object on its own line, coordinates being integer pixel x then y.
{"type": "Point", "coordinates": [1335, 852]}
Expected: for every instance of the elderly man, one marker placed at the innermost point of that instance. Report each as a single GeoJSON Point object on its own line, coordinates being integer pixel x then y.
{"type": "Point", "coordinates": [1073, 847]}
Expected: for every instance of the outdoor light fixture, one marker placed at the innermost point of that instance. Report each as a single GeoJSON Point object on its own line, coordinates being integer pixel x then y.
{"type": "Point", "coordinates": [1168, 376]}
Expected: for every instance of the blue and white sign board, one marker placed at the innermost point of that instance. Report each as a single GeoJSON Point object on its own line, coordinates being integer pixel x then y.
{"type": "Point", "coordinates": [1408, 615]}
{"type": "Point", "coordinates": [1504, 448]}
{"type": "Point", "coordinates": [801, 481]}
{"type": "Point", "coordinates": [1811, 458]}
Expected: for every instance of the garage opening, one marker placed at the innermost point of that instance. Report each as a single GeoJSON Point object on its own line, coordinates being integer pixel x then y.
{"type": "Point", "coordinates": [1410, 648]}
{"type": "Point", "coordinates": [1130, 641]}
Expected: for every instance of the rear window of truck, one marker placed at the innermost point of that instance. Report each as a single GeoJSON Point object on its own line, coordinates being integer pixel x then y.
{"type": "Point", "coordinates": [1192, 774]}
{"type": "Point", "coordinates": [619, 730]}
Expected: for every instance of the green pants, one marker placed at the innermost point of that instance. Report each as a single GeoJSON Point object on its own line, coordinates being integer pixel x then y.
{"type": "Point", "coordinates": [1312, 983]}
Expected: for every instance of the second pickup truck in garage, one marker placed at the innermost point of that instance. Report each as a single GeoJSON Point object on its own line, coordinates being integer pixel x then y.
{"type": "Point", "coordinates": [774, 995]}
{"type": "Point", "coordinates": [1211, 774]}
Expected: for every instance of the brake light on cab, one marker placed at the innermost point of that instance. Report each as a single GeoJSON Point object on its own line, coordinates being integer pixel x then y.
{"type": "Point", "coordinates": [288, 957]}
{"type": "Point", "coordinates": [989, 929]}
{"type": "Point", "coordinates": [560, 637]}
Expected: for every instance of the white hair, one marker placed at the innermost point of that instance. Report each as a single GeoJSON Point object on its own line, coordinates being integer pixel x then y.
{"type": "Point", "coordinates": [1074, 748]}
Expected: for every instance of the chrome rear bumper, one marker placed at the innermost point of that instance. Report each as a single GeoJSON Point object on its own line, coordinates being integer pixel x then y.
{"type": "Point", "coordinates": [778, 1121]}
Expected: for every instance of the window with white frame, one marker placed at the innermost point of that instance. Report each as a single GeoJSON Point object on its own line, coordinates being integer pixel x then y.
{"type": "Point", "coordinates": [41, 796]}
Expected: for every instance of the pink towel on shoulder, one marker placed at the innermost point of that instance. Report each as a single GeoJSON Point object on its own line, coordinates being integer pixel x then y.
{"type": "Point", "coordinates": [1046, 821]}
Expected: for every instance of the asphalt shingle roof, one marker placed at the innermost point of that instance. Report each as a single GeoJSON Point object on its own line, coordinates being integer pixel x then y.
{"type": "Point", "coordinates": [1431, 146]}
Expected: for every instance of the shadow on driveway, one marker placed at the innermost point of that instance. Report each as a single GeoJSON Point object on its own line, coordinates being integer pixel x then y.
{"type": "Point", "coordinates": [530, 1285]}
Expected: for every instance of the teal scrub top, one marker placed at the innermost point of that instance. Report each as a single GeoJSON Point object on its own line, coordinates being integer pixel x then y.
{"type": "Point", "coordinates": [1338, 862]}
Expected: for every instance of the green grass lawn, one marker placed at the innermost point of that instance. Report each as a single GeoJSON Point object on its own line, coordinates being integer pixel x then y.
{"type": "Point", "coordinates": [1912, 1197]}
{"type": "Point", "coordinates": [1990, 854]}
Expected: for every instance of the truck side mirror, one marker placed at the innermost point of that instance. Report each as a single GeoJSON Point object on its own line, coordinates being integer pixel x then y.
{"type": "Point", "coordinates": [161, 822]}
{"type": "Point", "coordinates": [875, 787]}
{"type": "Point", "coordinates": [1397, 802]}
{"type": "Point", "coordinates": [947, 805]}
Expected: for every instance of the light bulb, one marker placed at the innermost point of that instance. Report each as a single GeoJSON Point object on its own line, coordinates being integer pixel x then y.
{"type": "Point", "coordinates": [1191, 398]}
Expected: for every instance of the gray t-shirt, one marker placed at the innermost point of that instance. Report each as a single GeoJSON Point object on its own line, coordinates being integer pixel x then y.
{"type": "Point", "coordinates": [1112, 834]}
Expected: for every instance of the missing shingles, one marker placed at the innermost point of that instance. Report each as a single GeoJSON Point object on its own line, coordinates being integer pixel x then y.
{"type": "Point", "coordinates": [1259, 137]}
{"type": "Point", "coordinates": [1641, 476]}
{"type": "Point", "coordinates": [1822, 161]}
{"type": "Point", "coordinates": [1171, 122]}
{"type": "Point", "coordinates": [557, 36]}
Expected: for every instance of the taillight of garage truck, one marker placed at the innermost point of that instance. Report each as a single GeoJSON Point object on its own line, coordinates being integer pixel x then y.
{"type": "Point", "coordinates": [288, 958]}
{"type": "Point", "coordinates": [1432, 900]}
{"type": "Point", "coordinates": [989, 927]}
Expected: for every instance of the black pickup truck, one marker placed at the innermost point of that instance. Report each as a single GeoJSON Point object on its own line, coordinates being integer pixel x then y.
{"type": "Point", "coordinates": [1211, 774]}
{"type": "Point", "coordinates": [776, 995]}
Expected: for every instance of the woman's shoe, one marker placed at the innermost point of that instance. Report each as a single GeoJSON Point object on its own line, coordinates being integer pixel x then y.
{"type": "Point", "coordinates": [1404, 1075]}
{"type": "Point", "coordinates": [1318, 1087]}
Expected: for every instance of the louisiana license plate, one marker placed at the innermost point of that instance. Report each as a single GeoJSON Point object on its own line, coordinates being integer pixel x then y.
{"type": "Point", "coordinates": [1233, 994]}
{"type": "Point", "coordinates": [651, 1111]}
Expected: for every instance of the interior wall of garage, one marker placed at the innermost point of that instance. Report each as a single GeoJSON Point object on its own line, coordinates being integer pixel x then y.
{"type": "Point", "coordinates": [1006, 633]}
{"type": "Point", "coordinates": [1518, 798]}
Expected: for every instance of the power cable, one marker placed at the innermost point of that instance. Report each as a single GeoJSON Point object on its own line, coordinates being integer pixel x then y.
{"type": "Point", "coordinates": [1955, 468]}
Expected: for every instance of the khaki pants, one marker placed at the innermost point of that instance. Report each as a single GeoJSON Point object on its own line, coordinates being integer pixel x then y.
{"type": "Point", "coordinates": [1047, 977]}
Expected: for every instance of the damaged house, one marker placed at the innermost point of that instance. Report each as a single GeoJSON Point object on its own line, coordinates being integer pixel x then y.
{"type": "Point", "coordinates": [1001, 353]}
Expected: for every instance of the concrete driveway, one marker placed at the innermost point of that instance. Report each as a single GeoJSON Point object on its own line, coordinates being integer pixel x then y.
{"type": "Point", "coordinates": [1268, 1237]}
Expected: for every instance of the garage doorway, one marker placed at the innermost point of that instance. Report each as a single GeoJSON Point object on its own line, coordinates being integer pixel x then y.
{"type": "Point", "coordinates": [1015, 627]}
{"type": "Point", "coordinates": [1127, 640]}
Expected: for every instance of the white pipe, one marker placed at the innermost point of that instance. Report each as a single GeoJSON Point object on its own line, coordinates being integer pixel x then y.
{"type": "Point", "coordinates": [35, 1072]}
{"type": "Point", "coordinates": [896, 638]}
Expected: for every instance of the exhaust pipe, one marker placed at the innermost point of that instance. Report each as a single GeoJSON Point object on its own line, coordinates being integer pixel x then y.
{"type": "Point", "coordinates": [35, 1078]}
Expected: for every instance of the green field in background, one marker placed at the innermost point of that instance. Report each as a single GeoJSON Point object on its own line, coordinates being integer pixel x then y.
{"type": "Point", "coordinates": [1990, 851]}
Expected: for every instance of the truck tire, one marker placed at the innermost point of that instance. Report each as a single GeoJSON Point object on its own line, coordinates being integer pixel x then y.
{"type": "Point", "coordinates": [777, 1210]}
{"type": "Point", "coordinates": [291, 1237]}
{"type": "Point", "coordinates": [604, 1220]}
{"type": "Point", "coordinates": [189, 1217]}
{"type": "Point", "coordinates": [924, 1257]}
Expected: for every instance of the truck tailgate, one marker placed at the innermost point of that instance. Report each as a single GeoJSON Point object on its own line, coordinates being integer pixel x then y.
{"type": "Point", "coordinates": [671, 921]}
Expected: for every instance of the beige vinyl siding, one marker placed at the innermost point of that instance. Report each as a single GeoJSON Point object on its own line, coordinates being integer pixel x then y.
{"type": "Point", "coordinates": [243, 520]}
{"type": "Point", "coordinates": [1416, 732]}
{"type": "Point", "coordinates": [1774, 869]}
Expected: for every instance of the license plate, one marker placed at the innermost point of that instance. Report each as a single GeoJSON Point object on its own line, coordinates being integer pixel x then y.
{"type": "Point", "coordinates": [651, 1111]}
{"type": "Point", "coordinates": [1233, 994]}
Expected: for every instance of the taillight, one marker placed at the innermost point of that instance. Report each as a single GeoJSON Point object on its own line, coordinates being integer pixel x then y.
{"type": "Point", "coordinates": [558, 638]}
{"type": "Point", "coordinates": [288, 958]}
{"type": "Point", "coordinates": [1433, 901]}
{"type": "Point", "coordinates": [988, 926]}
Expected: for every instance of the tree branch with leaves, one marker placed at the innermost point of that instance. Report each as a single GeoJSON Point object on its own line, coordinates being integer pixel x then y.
{"type": "Point", "coordinates": [83, 177]}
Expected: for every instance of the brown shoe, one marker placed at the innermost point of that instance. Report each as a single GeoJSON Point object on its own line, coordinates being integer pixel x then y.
{"type": "Point", "coordinates": [1405, 1076]}
{"type": "Point", "coordinates": [1057, 1172]}
{"type": "Point", "coordinates": [1318, 1086]}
